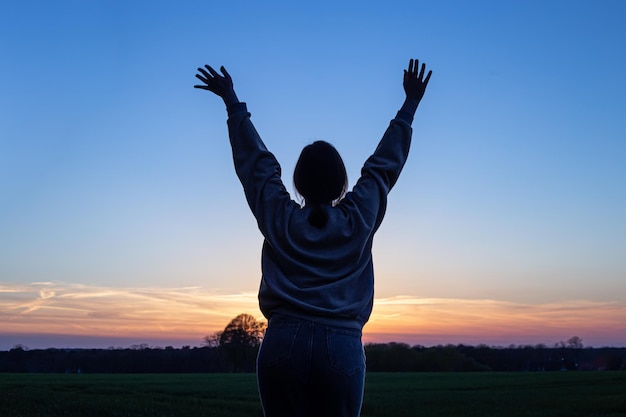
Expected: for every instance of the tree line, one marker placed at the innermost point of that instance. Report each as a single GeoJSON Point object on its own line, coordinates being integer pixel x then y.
{"type": "Point", "coordinates": [235, 348]}
{"type": "Point", "coordinates": [455, 358]}
{"type": "Point", "coordinates": [381, 357]}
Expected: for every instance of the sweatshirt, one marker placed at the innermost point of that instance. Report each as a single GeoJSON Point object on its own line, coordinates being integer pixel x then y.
{"type": "Point", "coordinates": [323, 274]}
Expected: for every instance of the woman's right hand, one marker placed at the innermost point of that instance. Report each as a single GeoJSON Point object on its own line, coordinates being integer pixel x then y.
{"type": "Point", "coordinates": [221, 85]}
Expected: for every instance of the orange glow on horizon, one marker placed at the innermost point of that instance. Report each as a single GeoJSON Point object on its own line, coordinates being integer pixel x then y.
{"type": "Point", "coordinates": [192, 313]}
{"type": "Point", "coordinates": [440, 321]}
{"type": "Point", "coordinates": [52, 308]}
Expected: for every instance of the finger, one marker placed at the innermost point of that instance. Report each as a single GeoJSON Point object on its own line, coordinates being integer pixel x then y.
{"type": "Point", "coordinates": [212, 71]}
{"type": "Point", "coordinates": [410, 65]}
{"type": "Point", "coordinates": [422, 71]}
{"type": "Point", "coordinates": [204, 87]}
{"type": "Point", "coordinates": [206, 74]}
{"type": "Point", "coordinates": [226, 74]}
{"type": "Point", "coordinates": [425, 83]}
{"type": "Point", "coordinates": [201, 78]}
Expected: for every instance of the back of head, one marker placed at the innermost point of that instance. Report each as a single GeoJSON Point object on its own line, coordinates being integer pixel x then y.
{"type": "Point", "coordinates": [320, 178]}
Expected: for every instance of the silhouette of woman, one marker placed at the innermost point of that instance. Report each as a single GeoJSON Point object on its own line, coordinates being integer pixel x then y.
{"type": "Point", "coordinates": [317, 284]}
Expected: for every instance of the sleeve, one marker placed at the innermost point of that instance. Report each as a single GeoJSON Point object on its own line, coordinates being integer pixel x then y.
{"type": "Point", "coordinates": [257, 168]}
{"type": "Point", "coordinates": [382, 169]}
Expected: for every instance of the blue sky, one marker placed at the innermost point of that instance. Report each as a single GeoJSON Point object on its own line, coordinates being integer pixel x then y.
{"type": "Point", "coordinates": [116, 174]}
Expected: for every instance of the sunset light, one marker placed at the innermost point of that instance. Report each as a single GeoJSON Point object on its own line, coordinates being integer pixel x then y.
{"type": "Point", "coordinates": [123, 222]}
{"type": "Point", "coordinates": [183, 316]}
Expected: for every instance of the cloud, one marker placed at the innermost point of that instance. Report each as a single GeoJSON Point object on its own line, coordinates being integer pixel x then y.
{"type": "Point", "coordinates": [194, 312]}
{"type": "Point", "coordinates": [445, 320]}
{"type": "Point", "coordinates": [63, 308]}
{"type": "Point", "coordinates": [46, 294]}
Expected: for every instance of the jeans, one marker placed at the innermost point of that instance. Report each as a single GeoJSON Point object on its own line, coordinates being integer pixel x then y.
{"type": "Point", "coordinates": [307, 369]}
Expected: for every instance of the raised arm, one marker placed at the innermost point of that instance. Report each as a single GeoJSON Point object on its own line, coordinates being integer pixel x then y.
{"type": "Point", "coordinates": [414, 85]}
{"type": "Point", "coordinates": [257, 168]}
{"type": "Point", "coordinates": [221, 85]}
{"type": "Point", "coordinates": [382, 169]}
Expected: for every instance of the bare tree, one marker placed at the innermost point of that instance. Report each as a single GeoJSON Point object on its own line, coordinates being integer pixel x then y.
{"type": "Point", "coordinates": [575, 342]}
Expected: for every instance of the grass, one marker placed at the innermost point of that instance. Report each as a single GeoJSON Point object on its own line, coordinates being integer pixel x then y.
{"type": "Point", "coordinates": [143, 395]}
{"type": "Point", "coordinates": [575, 394]}
{"type": "Point", "coordinates": [496, 395]}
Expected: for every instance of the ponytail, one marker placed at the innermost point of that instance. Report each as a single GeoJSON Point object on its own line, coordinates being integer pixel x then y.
{"type": "Point", "coordinates": [318, 216]}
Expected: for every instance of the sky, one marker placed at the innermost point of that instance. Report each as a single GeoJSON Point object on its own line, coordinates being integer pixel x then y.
{"type": "Point", "coordinates": [122, 221]}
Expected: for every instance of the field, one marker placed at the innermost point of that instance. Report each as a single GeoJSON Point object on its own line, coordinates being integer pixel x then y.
{"type": "Point", "coordinates": [575, 394]}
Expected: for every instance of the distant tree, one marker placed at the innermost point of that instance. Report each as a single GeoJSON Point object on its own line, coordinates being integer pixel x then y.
{"type": "Point", "coordinates": [575, 342]}
{"type": "Point", "coordinates": [570, 352]}
{"type": "Point", "coordinates": [140, 346]}
{"type": "Point", "coordinates": [240, 341]}
{"type": "Point", "coordinates": [212, 340]}
{"type": "Point", "coordinates": [19, 347]}
{"type": "Point", "coordinates": [243, 330]}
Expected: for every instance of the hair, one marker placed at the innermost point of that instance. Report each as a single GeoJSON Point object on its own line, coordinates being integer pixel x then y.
{"type": "Point", "coordinates": [320, 178]}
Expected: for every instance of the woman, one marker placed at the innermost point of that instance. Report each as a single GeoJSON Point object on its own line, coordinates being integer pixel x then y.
{"type": "Point", "coordinates": [317, 285]}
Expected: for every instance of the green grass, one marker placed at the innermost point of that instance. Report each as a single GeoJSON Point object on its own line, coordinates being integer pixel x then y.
{"type": "Point", "coordinates": [496, 394]}
{"type": "Point", "coordinates": [158, 395]}
{"type": "Point", "coordinates": [582, 394]}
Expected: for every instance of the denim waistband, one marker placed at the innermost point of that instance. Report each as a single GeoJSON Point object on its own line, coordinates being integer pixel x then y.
{"type": "Point", "coordinates": [338, 322]}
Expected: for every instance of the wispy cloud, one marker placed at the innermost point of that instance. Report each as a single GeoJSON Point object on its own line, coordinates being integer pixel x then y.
{"type": "Point", "coordinates": [193, 312]}
{"type": "Point", "coordinates": [80, 309]}
{"type": "Point", "coordinates": [445, 320]}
